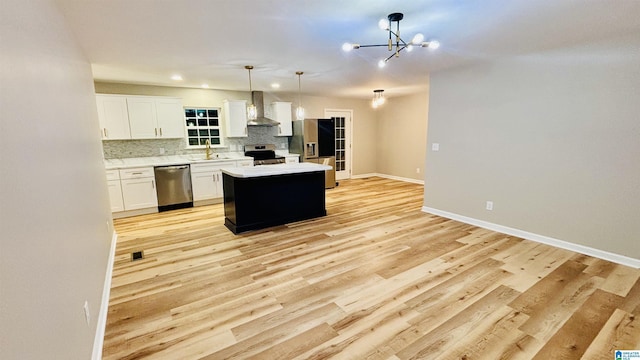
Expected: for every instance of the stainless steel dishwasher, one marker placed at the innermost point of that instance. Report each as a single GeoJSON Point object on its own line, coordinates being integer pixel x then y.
{"type": "Point", "coordinates": [173, 186]}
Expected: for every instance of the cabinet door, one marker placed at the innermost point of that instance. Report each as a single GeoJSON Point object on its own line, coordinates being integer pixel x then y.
{"type": "Point", "coordinates": [282, 114]}
{"type": "Point", "coordinates": [170, 118]}
{"type": "Point", "coordinates": [113, 117]}
{"type": "Point", "coordinates": [142, 117]}
{"type": "Point", "coordinates": [218, 183]}
{"type": "Point", "coordinates": [203, 186]}
{"type": "Point", "coordinates": [139, 193]}
{"type": "Point", "coordinates": [115, 195]}
{"type": "Point", "coordinates": [235, 114]}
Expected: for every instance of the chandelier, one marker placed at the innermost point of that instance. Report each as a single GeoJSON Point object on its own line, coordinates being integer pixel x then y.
{"type": "Point", "coordinates": [378, 98]}
{"type": "Point", "coordinates": [395, 43]}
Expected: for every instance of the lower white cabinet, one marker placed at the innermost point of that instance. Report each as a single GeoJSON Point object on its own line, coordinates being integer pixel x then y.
{"type": "Point", "coordinates": [206, 180]}
{"type": "Point", "coordinates": [115, 190]}
{"type": "Point", "coordinates": [291, 159]}
{"type": "Point", "coordinates": [138, 188]}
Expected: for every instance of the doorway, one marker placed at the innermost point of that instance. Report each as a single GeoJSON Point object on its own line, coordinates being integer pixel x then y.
{"type": "Point", "coordinates": [343, 125]}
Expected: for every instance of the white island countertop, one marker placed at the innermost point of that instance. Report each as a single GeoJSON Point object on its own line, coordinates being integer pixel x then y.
{"type": "Point", "coordinates": [276, 169]}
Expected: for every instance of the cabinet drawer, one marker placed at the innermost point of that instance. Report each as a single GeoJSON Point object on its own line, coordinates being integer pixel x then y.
{"type": "Point", "coordinates": [197, 168]}
{"type": "Point", "coordinates": [242, 163]}
{"type": "Point", "coordinates": [136, 173]}
{"type": "Point", "coordinates": [113, 175]}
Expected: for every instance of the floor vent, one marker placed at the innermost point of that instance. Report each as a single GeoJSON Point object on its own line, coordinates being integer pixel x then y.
{"type": "Point", "coordinates": [138, 255]}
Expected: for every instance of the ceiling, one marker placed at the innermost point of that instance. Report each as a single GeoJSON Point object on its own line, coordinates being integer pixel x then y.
{"type": "Point", "coordinates": [210, 41]}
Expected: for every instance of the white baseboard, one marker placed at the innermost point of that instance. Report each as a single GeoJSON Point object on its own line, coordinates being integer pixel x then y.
{"type": "Point", "coordinates": [98, 341]}
{"type": "Point", "coordinates": [393, 177]}
{"type": "Point", "coordinates": [601, 254]}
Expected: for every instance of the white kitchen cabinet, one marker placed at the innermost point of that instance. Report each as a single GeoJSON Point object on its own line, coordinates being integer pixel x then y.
{"type": "Point", "coordinates": [206, 179]}
{"type": "Point", "coordinates": [115, 190]}
{"type": "Point", "coordinates": [155, 117]}
{"type": "Point", "coordinates": [282, 113]}
{"type": "Point", "coordinates": [138, 188]}
{"type": "Point", "coordinates": [113, 117]}
{"type": "Point", "coordinates": [170, 117]}
{"type": "Point", "coordinates": [235, 115]}
{"type": "Point", "coordinates": [142, 117]}
{"type": "Point", "coordinates": [291, 159]}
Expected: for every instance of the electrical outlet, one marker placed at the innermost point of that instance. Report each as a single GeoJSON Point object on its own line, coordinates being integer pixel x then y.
{"type": "Point", "coordinates": [417, 170]}
{"type": "Point", "coordinates": [161, 151]}
{"type": "Point", "coordinates": [435, 147]}
{"type": "Point", "coordinates": [489, 205]}
{"type": "Point", "coordinates": [87, 314]}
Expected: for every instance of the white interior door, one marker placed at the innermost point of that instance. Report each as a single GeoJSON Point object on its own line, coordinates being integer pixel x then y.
{"type": "Point", "coordinates": [343, 123]}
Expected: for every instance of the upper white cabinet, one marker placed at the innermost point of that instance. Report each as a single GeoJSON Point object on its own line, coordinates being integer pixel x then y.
{"type": "Point", "coordinates": [143, 117]}
{"type": "Point", "coordinates": [170, 117]}
{"type": "Point", "coordinates": [155, 118]}
{"type": "Point", "coordinates": [282, 113]}
{"type": "Point", "coordinates": [235, 115]}
{"type": "Point", "coordinates": [113, 117]}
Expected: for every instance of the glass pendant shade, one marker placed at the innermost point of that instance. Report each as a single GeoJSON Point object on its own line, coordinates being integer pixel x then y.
{"type": "Point", "coordinates": [299, 109]}
{"type": "Point", "coordinates": [299, 113]}
{"type": "Point", "coordinates": [252, 112]}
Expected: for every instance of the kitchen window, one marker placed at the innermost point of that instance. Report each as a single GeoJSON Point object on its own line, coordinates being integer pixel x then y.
{"type": "Point", "coordinates": [203, 124]}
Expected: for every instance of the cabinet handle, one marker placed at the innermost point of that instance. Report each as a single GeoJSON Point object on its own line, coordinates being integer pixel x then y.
{"type": "Point", "coordinates": [156, 131]}
{"type": "Point", "coordinates": [153, 184]}
{"type": "Point", "coordinates": [245, 130]}
{"type": "Point", "coordinates": [160, 131]}
{"type": "Point", "coordinates": [136, 173]}
{"type": "Point", "coordinates": [279, 129]}
{"type": "Point", "coordinates": [105, 132]}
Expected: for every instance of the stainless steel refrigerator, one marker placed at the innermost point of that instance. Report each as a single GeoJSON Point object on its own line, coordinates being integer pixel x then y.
{"type": "Point", "coordinates": [315, 141]}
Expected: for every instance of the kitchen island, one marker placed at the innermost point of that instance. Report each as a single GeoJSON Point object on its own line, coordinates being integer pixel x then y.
{"type": "Point", "coordinates": [263, 196]}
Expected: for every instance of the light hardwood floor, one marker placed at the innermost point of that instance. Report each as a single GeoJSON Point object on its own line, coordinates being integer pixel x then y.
{"type": "Point", "coordinates": [375, 279]}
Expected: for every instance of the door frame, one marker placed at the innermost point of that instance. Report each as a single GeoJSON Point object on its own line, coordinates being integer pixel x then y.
{"type": "Point", "coordinates": [349, 141]}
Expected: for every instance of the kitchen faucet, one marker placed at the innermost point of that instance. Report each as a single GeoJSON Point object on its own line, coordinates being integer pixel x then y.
{"type": "Point", "coordinates": [207, 152]}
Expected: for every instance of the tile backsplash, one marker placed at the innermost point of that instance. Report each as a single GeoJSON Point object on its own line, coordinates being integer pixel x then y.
{"type": "Point", "coordinates": [119, 149]}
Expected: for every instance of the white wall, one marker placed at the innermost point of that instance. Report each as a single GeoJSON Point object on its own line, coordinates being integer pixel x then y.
{"type": "Point", "coordinates": [55, 221]}
{"type": "Point", "coordinates": [402, 136]}
{"type": "Point", "coordinates": [552, 139]}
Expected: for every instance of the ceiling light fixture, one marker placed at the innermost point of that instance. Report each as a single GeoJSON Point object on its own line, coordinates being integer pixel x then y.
{"type": "Point", "coordinates": [399, 45]}
{"type": "Point", "coordinates": [378, 98]}
{"type": "Point", "coordinates": [252, 111]}
{"type": "Point", "coordinates": [300, 109]}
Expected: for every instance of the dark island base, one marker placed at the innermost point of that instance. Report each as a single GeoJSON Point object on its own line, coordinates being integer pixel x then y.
{"type": "Point", "coordinates": [260, 202]}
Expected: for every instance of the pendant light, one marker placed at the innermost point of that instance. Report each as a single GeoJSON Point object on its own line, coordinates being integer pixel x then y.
{"type": "Point", "coordinates": [252, 112]}
{"type": "Point", "coordinates": [378, 98]}
{"type": "Point", "coordinates": [300, 109]}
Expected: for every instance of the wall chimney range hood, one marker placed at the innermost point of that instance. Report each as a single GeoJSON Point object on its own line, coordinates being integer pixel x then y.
{"type": "Point", "coordinates": [258, 101]}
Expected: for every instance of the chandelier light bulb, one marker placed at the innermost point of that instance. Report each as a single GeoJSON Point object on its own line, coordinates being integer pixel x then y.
{"type": "Point", "coordinates": [383, 24]}
{"type": "Point", "coordinates": [346, 47]}
{"type": "Point", "coordinates": [417, 39]}
{"type": "Point", "coordinates": [434, 44]}
{"type": "Point", "coordinates": [252, 112]}
{"type": "Point", "coordinates": [382, 63]}
{"type": "Point", "coordinates": [409, 47]}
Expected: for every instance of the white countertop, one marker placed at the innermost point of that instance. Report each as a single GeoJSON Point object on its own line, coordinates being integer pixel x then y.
{"type": "Point", "coordinates": [276, 169]}
{"type": "Point", "coordinates": [111, 164]}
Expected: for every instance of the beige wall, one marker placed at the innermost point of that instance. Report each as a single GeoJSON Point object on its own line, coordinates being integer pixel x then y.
{"type": "Point", "coordinates": [364, 119]}
{"type": "Point", "coordinates": [402, 136]}
{"type": "Point", "coordinates": [55, 217]}
{"type": "Point", "coordinates": [552, 139]}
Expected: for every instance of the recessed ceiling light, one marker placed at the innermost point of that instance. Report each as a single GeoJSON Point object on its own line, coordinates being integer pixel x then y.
{"type": "Point", "coordinates": [205, 86]}
{"type": "Point", "coordinates": [176, 77]}
{"type": "Point", "coordinates": [275, 86]}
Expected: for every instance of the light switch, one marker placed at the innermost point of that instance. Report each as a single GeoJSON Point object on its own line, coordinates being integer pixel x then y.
{"type": "Point", "coordinates": [435, 147]}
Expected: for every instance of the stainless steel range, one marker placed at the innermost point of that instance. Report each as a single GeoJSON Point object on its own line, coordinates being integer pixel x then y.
{"type": "Point", "coordinates": [263, 154]}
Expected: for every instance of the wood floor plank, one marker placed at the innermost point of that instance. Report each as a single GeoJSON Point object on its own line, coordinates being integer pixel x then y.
{"type": "Point", "coordinates": [374, 279]}
{"type": "Point", "coordinates": [621, 332]}
{"type": "Point", "coordinates": [573, 339]}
